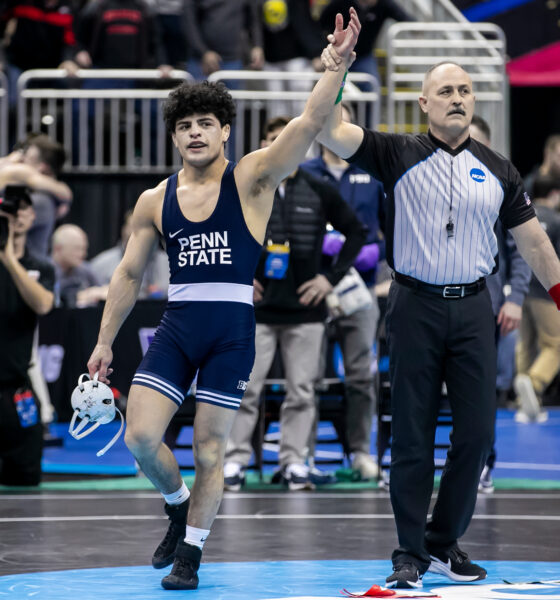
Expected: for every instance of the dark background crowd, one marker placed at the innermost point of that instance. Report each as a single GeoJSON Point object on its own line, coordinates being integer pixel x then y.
{"type": "Point", "coordinates": [203, 36]}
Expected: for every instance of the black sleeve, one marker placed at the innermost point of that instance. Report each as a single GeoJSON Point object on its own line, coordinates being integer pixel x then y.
{"type": "Point", "coordinates": [555, 236]}
{"type": "Point", "coordinates": [196, 43]}
{"type": "Point", "coordinates": [339, 214]}
{"type": "Point", "coordinates": [378, 154]}
{"type": "Point", "coordinates": [156, 54]}
{"type": "Point", "coordinates": [306, 30]}
{"type": "Point", "coordinates": [46, 276]}
{"type": "Point", "coordinates": [84, 26]}
{"type": "Point", "coordinates": [328, 15]}
{"type": "Point", "coordinates": [395, 11]}
{"type": "Point", "coordinates": [516, 208]}
{"type": "Point", "coordinates": [254, 24]}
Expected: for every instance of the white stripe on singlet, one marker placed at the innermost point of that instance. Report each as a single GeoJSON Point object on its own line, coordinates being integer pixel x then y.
{"type": "Point", "coordinates": [211, 292]}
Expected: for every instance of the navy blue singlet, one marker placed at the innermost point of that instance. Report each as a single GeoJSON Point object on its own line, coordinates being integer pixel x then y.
{"type": "Point", "coordinates": [209, 323]}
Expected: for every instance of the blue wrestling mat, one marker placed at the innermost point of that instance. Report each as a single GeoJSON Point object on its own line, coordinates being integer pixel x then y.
{"type": "Point", "coordinates": [301, 580]}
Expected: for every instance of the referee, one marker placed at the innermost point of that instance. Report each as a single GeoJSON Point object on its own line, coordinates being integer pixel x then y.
{"type": "Point", "coordinates": [445, 193]}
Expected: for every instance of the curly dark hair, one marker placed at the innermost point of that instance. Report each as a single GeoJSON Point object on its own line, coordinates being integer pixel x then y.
{"type": "Point", "coordinates": [198, 98]}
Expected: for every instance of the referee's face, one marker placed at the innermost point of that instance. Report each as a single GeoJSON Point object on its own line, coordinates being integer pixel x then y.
{"type": "Point", "coordinates": [448, 100]}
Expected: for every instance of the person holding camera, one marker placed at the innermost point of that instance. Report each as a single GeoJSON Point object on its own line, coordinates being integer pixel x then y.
{"type": "Point", "coordinates": [26, 282]}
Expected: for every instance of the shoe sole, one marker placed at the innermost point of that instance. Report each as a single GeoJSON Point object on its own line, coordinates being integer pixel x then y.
{"type": "Point", "coordinates": [529, 402]}
{"type": "Point", "coordinates": [177, 585]}
{"type": "Point", "coordinates": [405, 585]}
{"type": "Point", "coordinates": [232, 488]}
{"type": "Point", "coordinates": [298, 487]}
{"type": "Point", "coordinates": [437, 566]}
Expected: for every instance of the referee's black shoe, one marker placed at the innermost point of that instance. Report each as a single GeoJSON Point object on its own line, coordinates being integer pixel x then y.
{"type": "Point", "coordinates": [183, 575]}
{"type": "Point", "coordinates": [455, 564]}
{"type": "Point", "coordinates": [165, 552]}
{"type": "Point", "coordinates": [405, 575]}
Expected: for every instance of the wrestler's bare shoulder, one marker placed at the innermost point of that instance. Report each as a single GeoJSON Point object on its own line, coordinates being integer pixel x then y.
{"type": "Point", "coordinates": [152, 198]}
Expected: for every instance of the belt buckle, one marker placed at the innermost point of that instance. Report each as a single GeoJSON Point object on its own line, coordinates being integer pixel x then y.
{"type": "Point", "coordinates": [454, 291]}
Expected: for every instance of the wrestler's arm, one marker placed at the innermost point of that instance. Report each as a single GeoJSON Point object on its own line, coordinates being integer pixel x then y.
{"type": "Point", "coordinates": [26, 175]}
{"type": "Point", "coordinates": [126, 280]}
{"type": "Point", "coordinates": [339, 136]}
{"type": "Point", "coordinates": [269, 166]}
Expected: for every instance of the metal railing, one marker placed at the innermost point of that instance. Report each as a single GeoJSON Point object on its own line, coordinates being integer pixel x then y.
{"type": "Point", "coordinates": [110, 120]}
{"type": "Point", "coordinates": [3, 114]}
{"type": "Point", "coordinates": [106, 119]}
{"type": "Point", "coordinates": [255, 102]}
{"type": "Point", "coordinates": [479, 47]}
{"type": "Point", "coordinates": [438, 10]}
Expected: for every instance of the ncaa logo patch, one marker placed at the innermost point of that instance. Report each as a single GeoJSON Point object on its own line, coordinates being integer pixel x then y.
{"type": "Point", "coordinates": [242, 385]}
{"type": "Point", "coordinates": [478, 175]}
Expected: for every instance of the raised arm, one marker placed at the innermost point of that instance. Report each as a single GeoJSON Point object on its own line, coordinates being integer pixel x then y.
{"type": "Point", "coordinates": [26, 175]}
{"type": "Point", "coordinates": [126, 281]}
{"type": "Point", "coordinates": [535, 247]}
{"type": "Point", "coordinates": [269, 166]}
{"type": "Point", "coordinates": [339, 136]}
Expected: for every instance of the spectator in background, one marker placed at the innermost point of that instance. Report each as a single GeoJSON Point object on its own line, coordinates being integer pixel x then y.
{"type": "Point", "coordinates": [289, 290]}
{"type": "Point", "coordinates": [117, 34]}
{"type": "Point", "coordinates": [508, 288]}
{"type": "Point", "coordinates": [292, 43]}
{"type": "Point", "coordinates": [26, 282]}
{"type": "Point", "coordinates": [356, 332]}
{"type": "Point", "coordinates": [37, 34]}
{"type": "Point", "coordinates": [35, 166]}
{"type": "Point", "coordinates": [171, 16]}
{"type": "Point", "coordinates": [550, 165]}
{"type": "Point", "coordinates": [120, 34]}
{"type": "Point", "coordinates": [538, 349]}
{"type": "Point", "coordinates": [76, 284]}
{"type": "Point", "coordinates": [372, 15]}
{"type": "Point", "coordinates": [47, 157]}
{"type": "Point", "coordinates": [218, 31]}
{"type": "Point", "coordinates": [156, 275]}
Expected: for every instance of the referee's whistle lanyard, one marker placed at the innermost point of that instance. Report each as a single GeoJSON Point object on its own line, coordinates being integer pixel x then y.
{"type": "Point", "coordinates": [450, 227]}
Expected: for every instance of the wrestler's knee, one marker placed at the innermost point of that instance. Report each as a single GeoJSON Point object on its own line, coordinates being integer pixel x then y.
{"type": "Point", "coordinates": [208, 453]}
{"type": "Point", "coordinates": [141, 441]}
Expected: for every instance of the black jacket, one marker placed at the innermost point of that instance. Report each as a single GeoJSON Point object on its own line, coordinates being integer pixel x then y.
{"type": "Point", "coordinates": [371, 18]}
{"type": "Point", "coordinates": [290, 32]}
{"type": "Point", "coordinates": [120, 34]}
{"type": "Point", "coordinates": [300, 218]}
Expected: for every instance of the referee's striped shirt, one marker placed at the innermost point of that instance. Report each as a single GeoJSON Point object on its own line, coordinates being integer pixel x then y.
{"type": "Point", "coordinates": [428, 186]}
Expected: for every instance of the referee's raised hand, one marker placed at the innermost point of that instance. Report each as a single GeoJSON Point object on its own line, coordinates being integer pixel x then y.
{"type": "Point", "coordinates": [342, 42]}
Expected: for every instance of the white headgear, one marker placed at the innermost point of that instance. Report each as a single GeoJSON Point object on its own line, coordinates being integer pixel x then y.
{"type": "Point", "coordinates": [94, 402]}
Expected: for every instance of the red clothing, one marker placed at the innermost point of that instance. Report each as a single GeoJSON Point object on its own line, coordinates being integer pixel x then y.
{"type": "Point", "coordinates": [43, 36]}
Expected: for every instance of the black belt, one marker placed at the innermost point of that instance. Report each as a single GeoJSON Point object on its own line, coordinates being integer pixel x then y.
{"type": "Point", "coordinates": [443, 291]}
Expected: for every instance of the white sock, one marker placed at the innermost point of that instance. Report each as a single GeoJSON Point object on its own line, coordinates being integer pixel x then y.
{"type": "Point", "coordinates": [196, 536]}
{"type": "Point", "coordinates": [177, 497]}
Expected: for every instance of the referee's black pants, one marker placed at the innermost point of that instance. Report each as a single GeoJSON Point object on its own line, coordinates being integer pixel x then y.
{"type": "Point", "coordinates": [433, 339]}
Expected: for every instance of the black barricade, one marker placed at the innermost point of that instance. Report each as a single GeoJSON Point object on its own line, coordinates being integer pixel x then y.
{"type": "Point", "coordinates": [68, 336]}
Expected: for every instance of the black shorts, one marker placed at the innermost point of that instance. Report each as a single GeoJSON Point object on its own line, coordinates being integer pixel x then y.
{"type": "Point", "coordinates": [21, 448]}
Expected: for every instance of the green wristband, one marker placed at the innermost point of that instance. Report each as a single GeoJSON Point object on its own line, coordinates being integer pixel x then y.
{"type": "Point", "coordinates": [339, 97]}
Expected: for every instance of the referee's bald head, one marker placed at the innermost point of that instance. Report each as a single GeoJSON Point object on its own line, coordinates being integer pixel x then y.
{"type": "Point", "coordinates": [436, 69]}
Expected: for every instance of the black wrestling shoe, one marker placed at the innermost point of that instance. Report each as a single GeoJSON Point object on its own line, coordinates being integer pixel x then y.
{"type": "Point", "coordinates": [183, 575]}
{"type": "Point", "coordinates": [177, 530]}
{"type": "Point", "coordinates": [405, 575]}
{"type": "Point", "coordinates": [455, 564]}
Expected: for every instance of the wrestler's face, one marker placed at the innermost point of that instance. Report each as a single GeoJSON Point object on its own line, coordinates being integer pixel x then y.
{"type": "Point", "coordinates": [200, 138]}
{"type": "Point", "coordinates": [448, 100]}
